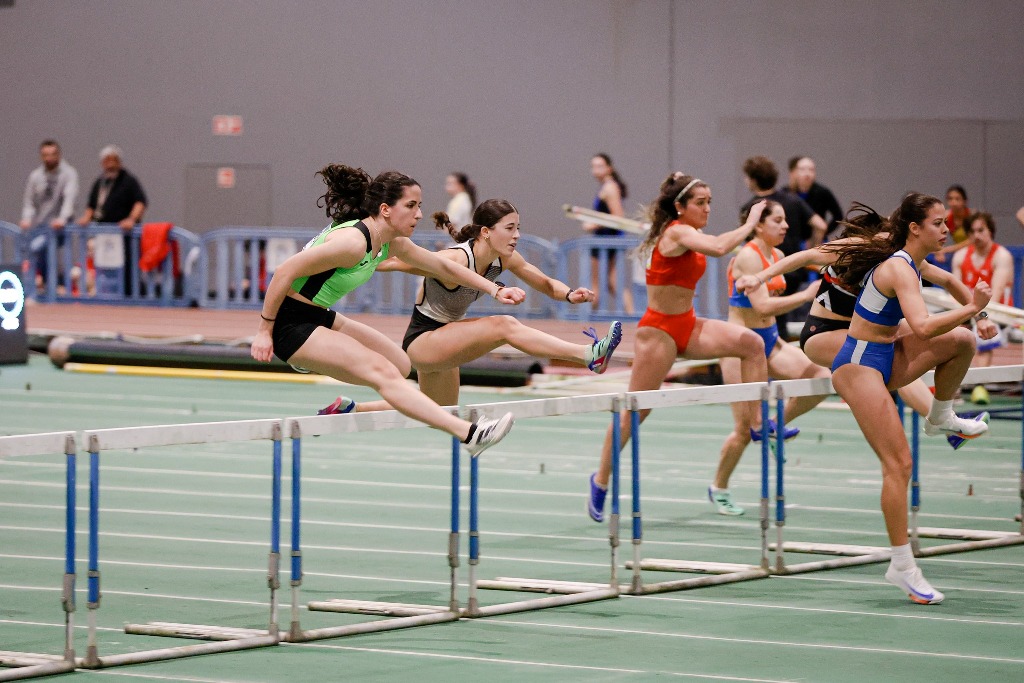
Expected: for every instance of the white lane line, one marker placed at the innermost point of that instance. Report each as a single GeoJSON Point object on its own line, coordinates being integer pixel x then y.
{"type": "Point", "coordinates": [793, 608]}
{"type": "Point", "coordinates": [436, 655]}
{"type": "Point", "coordinates": [661, 598]}
{"type": "Point", "coordinates": [523, 662]}
{"type": "Point", "coordinates": [134, 594]}
{"type": "Point", "coordinates": [357, 577]}
{"type": "Point", "coordinates": [521, 511]}
{"type": "Point", "coordinates": [754, 641]}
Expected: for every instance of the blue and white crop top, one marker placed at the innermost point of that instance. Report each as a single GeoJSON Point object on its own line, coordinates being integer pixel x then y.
{"type": "Point", "coordinates": [874, 306]}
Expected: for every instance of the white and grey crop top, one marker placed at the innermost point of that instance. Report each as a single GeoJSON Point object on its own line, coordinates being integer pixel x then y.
{"type": "Point", "coordinates": [448, 305]}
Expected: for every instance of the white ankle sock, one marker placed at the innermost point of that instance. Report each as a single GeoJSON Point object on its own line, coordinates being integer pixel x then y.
{"type": "Point", "coordinates": [903, 558]}
{"type": "Point", "coordinates": [715, 489]}
{"type": "Point", "coordinates": [939, 411]}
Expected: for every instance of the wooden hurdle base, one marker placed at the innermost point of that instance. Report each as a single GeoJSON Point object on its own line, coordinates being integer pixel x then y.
{"type": "Point", "coordinates": [710, 574]}
{"type": "Point", "coordinates": [845, 555]}
{"type": "Point", "coordinates": [223, 644]}
{"type": "Point", "coordinates": [562, 593]}
{"type": "Point", "coordinates": [27, 665]}
{"type": "Point", "coordinates": [401, 615]}
{"type": "Point", "coordinates": [972, 539]}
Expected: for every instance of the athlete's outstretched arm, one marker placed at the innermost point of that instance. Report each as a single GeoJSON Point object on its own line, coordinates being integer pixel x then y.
{"type": "Point", "coordinates": [545, 284]}
{"type": "Point", "coordinates": [444, 269]}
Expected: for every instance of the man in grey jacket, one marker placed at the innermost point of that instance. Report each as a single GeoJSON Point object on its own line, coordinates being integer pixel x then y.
{"type": "Point", "coordinates": [49, 200]}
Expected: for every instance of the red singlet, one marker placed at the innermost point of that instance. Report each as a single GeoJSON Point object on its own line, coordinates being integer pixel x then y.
{"type": "Point", "coordinates": [684, 270]}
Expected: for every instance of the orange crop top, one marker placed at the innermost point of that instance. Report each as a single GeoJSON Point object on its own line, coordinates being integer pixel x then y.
{"type": "Point", "coordinates": [777, 285]}
{"type": "Point", "coordinates": [684, 270]}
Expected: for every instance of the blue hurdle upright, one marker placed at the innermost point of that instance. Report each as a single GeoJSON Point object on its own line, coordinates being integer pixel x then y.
{"type": "Point", "coordinates": [28, 664]}
{"type": "Point", "coordinates": [402, 615]}
{"type": "Point", "coordinates": [227, 639]}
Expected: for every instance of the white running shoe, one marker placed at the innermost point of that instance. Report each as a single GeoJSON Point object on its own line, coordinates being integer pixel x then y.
{"type": "Point", "coordinates": [489, 432]}
{"type": "Point", "coordinates": [954, 424]}
{"type": "Point", "coordinates": [913, 583]}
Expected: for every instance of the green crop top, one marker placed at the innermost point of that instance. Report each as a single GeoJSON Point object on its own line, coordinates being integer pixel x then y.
{"type": "Point", "coordinates": [324, 289]}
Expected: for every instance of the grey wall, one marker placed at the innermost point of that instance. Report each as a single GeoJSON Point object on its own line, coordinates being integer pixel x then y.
{"type": "Point", "coordinates": [888, 96]}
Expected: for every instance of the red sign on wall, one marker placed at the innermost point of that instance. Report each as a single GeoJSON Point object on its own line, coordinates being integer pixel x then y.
{"type": "Point", "coordinates": [227, 124]}
{"type": "Point", "coordinates": [225, 177]}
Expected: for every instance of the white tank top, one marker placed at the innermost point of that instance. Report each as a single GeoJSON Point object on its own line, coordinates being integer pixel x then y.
{"type": "Point", "coordinates": [448, 305]}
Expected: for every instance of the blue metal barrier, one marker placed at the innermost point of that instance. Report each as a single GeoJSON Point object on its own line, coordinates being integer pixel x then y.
{"type": "Point", "coordinates": [233, 268]}
{"type": "Point", "coordinates": [74, 274]}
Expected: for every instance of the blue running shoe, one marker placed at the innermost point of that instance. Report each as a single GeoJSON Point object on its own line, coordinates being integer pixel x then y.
{"type": "Point", "coordinates": [602, 349]}
{"type": "Point", "coordinates": [956, 440]}
{"type": "Point", "coordinates": [595, 503]}
{"type": "Point", "coordinates": [791, 432]}
{"type": "Point", "coordinates": [341, 405]}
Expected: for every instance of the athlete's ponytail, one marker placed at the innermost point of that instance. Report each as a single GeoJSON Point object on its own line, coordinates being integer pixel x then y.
{"type": "Point", "coordinates": [352, 195]}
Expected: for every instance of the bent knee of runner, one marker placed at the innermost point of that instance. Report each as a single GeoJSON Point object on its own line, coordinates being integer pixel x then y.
{"type": "Point", "coordinates": [751, 345]}
{"type": "Point", "coordinates": [505, 325]}
{"type": "Point", "coordinates": [965, 339]}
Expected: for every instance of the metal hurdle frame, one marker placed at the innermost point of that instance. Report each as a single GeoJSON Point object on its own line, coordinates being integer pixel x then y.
{"type": "Point", "coordinates": [850, 555]}
{"type": "Point", "coordinates": [402, 615]}
{"type": "Point", "coordinates": [711, 573]}
{"type": "Point", "coordinates": [27, 664]}
{"type": "Point", "coordinates": [560, 592]}
{"type": "Point", "coordinates": [970, 539]}
{"type": "Point", "coordinates": [226, 639]}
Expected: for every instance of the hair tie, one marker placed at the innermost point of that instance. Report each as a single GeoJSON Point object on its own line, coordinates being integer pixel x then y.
{"type": "Point", "coordinates": [679, 197]}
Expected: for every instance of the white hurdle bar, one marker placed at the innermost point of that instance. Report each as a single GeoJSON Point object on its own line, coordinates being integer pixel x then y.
{"type": "Point", "coordinates": [226, 639]}
{"type": "Point", "coordinates": [403, 615]}
{"type": "Point", "coordinates": [606, 220]}
{"type": "Point", "coordinates": [27, 664]}
{"type": "Point", "coordinates": [561, 592]}
{"type": "Point", "coordinates": [711, 573]}
{"type": "Point", "coordinates": [850, 555]}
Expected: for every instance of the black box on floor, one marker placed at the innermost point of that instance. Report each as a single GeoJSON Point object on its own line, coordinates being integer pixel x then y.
{"type": "Point", "coordinates": [13, 335]}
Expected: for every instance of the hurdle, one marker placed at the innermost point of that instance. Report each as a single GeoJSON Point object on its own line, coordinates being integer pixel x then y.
{"type": "Point", "coordinates": [560, 593]}
{"type": "Point", "coordinates": [710, 573]}
{"type": "Point", "coordinates": [850, 555]}
{"type": "Point", "coordinates": [606, 220]}
{"type": "Point", "coordinates": [226, 639]}
{"type": "Point", "coordinates": [401, 615]}
{"type": "Point", "coordinates": [26, 664]}
{"type": "Point", "coordinates": [970, 539]}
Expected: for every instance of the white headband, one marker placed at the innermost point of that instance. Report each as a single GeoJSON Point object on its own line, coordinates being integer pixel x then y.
{"type": "Point", "coordinates": [686, 189]}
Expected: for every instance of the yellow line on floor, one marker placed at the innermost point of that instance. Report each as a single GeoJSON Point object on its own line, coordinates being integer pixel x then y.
{"type": "Point", "coordinates": [195, 373]}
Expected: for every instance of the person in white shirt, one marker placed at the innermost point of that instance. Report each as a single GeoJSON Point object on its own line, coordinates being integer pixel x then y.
{"type": "Point", "coordinates": [49, 200]}
{"type": "Point", "coordinates": [463, 198]}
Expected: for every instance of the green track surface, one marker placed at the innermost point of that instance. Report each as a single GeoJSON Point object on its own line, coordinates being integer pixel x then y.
{"type": "Point", "coordinates": [185, 535]}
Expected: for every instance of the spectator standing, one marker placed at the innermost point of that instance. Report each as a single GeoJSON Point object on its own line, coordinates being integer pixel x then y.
{"type": "Point", "coordinates": [609, 198]}
{"type": "Point", "coordinates": [803, 182]}
{"type": "Point", "coordinates": [50, 195]}
{"type": "Point", "coordinates": [116, 197]}
{"type": "Point", "coordinates": [985, 261]}
{"type": "Point", "coordinates": [956, 220]}
{"type": "Point", "coordinates": [805, 226]}
{"type": "Point", "coordinates": [463, 198]}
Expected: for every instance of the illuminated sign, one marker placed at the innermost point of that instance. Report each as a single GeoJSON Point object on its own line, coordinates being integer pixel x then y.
{"type": "Point", "coordinates": [12, 300]}
{"type": "Point", "coordinates": [13, 336]}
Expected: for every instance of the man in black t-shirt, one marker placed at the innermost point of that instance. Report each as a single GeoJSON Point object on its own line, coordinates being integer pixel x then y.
{"type": "Point", "coordinates": [803, 183]}
{"type": "Point", "coordinates": [116, 197]}
{"type": "Point", "coordinates": [805, 226]}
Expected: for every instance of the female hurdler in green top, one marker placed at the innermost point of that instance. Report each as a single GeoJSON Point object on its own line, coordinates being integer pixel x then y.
{"type": "Point", "coordinates": [371, 220]}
